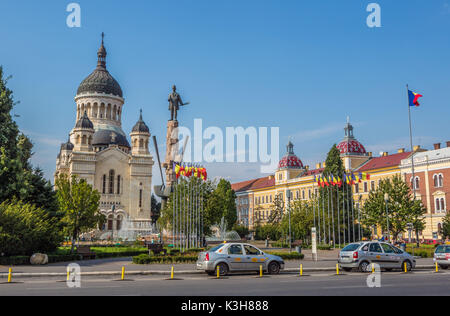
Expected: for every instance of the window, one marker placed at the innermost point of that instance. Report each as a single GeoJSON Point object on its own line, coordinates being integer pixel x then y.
{"type": "Point", "coordinates": [440, 205]}
{"type": "Point", "coordinates": [375, 247]}
{"type": "Point", "coordinates": [309, 194]}
{"type": "Point", "coordinates": [303, 194]}
{"type": "Point", "coordinates": [235, 250]}
{"type": "Point", "coordinates": [438, 180]}
{"type": "Point", "coordinates": [372, 185]}
{"type": "Point", "coordinates": [140, 197]}
{"type": "Point", "coordinates": [356, 188]}
{"type": "Point", "coordinates": [110, 222]}
{"type": "Point", "coordinates": [111, 182]}
{"type": "Point", "coordinates": [387, 248]}
{"type": "Point", "coordinates": [119, 222]}
{"type": "Point", "coordinates": [365, 187]}
{"type": "Point", "coordinates": [250, 250]}
{"type": "Point", "coordinates": [104, 184]}
{"type": "Point", "coordinates": [118, 184]}
{"type": "Point", "coordinates": [415, 184]}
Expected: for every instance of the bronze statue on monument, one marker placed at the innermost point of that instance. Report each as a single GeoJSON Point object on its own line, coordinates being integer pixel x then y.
{"type": "Point", "coordinates": [174, 103]}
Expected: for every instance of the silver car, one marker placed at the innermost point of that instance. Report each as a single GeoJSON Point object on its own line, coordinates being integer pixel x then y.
{"type": "Point", "coordinates": [231, 257]}
{"type": "Point", "coordinates": [360, 255]}
{"type": "Point", "coordinates": [442, 256]}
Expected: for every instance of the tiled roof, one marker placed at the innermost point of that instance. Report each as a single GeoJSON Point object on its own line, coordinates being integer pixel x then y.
{"type": "Point", "coordinates": [254, 184]}
{"type": "Point", "coordinates": [384, 161]}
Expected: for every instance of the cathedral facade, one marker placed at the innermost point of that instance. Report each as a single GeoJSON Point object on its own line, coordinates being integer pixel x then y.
{"type": "Point", "coordinates": [99, 151]}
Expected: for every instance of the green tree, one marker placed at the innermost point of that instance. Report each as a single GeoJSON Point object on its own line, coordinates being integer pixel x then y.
{"type": "Point", "coordinates": [80, 204]}
{"type": "Point", "coordinates": [276, 211]}
{"type": "Point", "coordinates": [26, 229]}
{"type": "Point", "coordinates": [302, 220]}
{"type": "Point", "coordinates": [445, 231]}
{"type": "Point", "coordinates": [401, 207]}
{"type": "Point", "coordinates": [222, 203]}
{"type": "Point", "coordinates": [155, 209]}
{"type": "Point", "coordinates": [18, 178]}
{"type": "Point", "coordinates": [204, 192]}
{"type": "Point", "coordinates": [241, 230]}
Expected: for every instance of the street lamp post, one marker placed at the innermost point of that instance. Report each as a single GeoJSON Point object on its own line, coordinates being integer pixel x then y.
{"type": "Point", "coordinates": [289, 210]}
{"type": "Point", "coordinates": [113, 208]}
{"type": "Point", "coordinates": [386, 198]}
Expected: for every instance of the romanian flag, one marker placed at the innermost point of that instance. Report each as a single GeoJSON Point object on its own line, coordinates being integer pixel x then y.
{"type": "Point", "coordinates": [364, 176]}
{"type": "Point", "coordinates": [414, 98]}
{"type": "Point", "coordinates": [339, 181]}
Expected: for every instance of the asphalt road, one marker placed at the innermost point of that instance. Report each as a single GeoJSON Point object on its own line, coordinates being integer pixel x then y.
{"type": "Point", "coordinates": [392, 283]}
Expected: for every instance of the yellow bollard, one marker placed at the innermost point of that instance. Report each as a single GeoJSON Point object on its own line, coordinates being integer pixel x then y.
{"type": "Point", "coordinates": [373, 268]}
{"type": "Point", "coordinates": [218, 272]}
{"type": "Point", "coordinates": [437, 268]}
{"type": "Point", "coordinates": [171, 273]}
{"type": "Point", "coordinates": [405, 268]}
{"type": "Point", "coordinates": [9, 275]}
{"type": "Point", "coordinates": [123, 273]}
{"type": "Point", "coordinates": [68, 273]}
{"type": "Point", "coordinates": [337, 268]}
{"type": "Point", "coordinates": [260, 271]}
{"type": "Point", "coordinates": [301, 269]}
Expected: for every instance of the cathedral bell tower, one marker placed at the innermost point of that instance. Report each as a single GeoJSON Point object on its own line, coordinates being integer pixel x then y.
{"type": "Point", "coordinates": [140, 136]}
{"type": "Point", "coordinates": [82, 134]}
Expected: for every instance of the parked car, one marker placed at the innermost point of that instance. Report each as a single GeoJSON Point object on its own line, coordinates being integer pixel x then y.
{"type": "Point", "coordinates": [442, 256]}
{"type": "Point", "coordinates": [360, 255]}
{"type": "Point", "coordinates": [231, 257]}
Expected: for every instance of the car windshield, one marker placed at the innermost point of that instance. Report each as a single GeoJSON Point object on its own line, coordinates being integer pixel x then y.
{"type": "Point", "coordinates": [213, 249]}
{"type": "Point", "coordinates": [351, 247]}
{"type": "Point", "coordinates": [443, 249]}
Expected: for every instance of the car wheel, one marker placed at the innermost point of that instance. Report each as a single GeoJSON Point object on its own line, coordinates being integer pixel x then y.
{"type": "Point", "coordinates": [408, 265]}
{"type": "Point", "coordinates": [363, 266]}
{"type": "Point", "coordinates": [347, 269]}
{"type": "Point", "coordinates": [274, 268]}
{"type": "Point", "coordinates": [443, 267]}
{"type": "Point", "coordinates": [223, 268]}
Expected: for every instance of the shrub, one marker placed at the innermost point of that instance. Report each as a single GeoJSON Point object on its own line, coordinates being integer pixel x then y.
{"type": "Point", "coordinates": [25, 229]}
{"type": "Point", "coordinates": [289, 255]}
{"type": "Point", "coordinates": [147, 259]}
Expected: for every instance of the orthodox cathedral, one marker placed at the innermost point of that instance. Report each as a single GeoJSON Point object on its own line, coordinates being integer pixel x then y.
{"type": "Point", "coordinates": [98, 151]}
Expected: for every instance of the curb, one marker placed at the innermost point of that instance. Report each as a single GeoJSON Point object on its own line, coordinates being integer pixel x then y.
{"type": "Point", "coordinates": [110, 273]}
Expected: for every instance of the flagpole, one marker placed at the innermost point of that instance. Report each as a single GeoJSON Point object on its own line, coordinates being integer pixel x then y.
{"type": "Point", "coordinates": [410, 141]}
{"type": "Point", "coordinates": [343, 204]}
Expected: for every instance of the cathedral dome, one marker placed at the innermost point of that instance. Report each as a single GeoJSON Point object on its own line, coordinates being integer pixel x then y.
{"type": "Point", "coordinates": [100, 80]}
{"type": "Point", "coordinates": [84, 122]}
{"type": "Point", "coordinates": [290, 161]}
{"type": "Point", "coordinates": [140, 126]}
{"type": "Point", "coordinates": [350, 145]}
{"type": "Point", "coordinates": [105, 137]}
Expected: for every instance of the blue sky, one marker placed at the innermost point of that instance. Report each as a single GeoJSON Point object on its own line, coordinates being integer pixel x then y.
{"type": "Point", "coordinates": [301, 65]}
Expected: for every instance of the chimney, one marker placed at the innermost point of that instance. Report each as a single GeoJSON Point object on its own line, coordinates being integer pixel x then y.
{"type": "Point", "coordinates": [401, 150]}
{"type": "Point", "coordinates": [385, 153]}
{"type": "Point", "coordinates": [448, 143]}
{"type": "Point", "coordinates": [323, 165]}
{"type": "Point", "coordinates": [416, 148]}
{"type": "Point", "coordinates": [369, 154]}
{"type": "Point", "coordinates": [318, 165]}
{"type": "Point", "coordinates": [437, 146]}
{"type": "Point", "coordinates": [270, 177]}
{"type": "Point", "coordinates": [306, 167]}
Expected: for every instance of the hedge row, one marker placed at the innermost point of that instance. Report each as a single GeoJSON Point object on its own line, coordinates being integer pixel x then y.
{"type": "Point", "coordinates": [147, 259]}
{"type": "Point", "coordinates": [288, 255]}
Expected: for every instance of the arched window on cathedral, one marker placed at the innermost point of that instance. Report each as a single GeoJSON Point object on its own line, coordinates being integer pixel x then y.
{"type": "Point", "coordinates": [78, 139]}
{"type": "Point", "coordinates": [90, 140]}
{"type": "Point", "coordinates": [141, 143]}
{"type": "Point", "coordinates": [119, 222]}
{"type": "Point", "coordinates": [110, 222]}
{"type": "Point", "coordinates": [111, 182]}
{"type": "Point", "coordinates": [118, 184]}
{"type": "Point", "coordinates": [83, 140]}
{"type": "Point", "coordinates": [140, 197]}
{"type": "Point", "coordinates": [146, 144]}
{"type": "Point", "coordinates": [104, 184]}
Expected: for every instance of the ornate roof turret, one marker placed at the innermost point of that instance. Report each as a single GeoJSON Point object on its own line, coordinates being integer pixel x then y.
{"type": "Point", "coordinates": [100, 80]}
{"type": "Point", "coordinates": [349, 145]}
{"type": "Point", "coordinates": [140, 126]}
{"type": "Point", "coordinates": [67, 146]}
{"type": "Point", "coordinates": [84, 122]}
{"type": "Point", "coordinates": [290, 160]}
